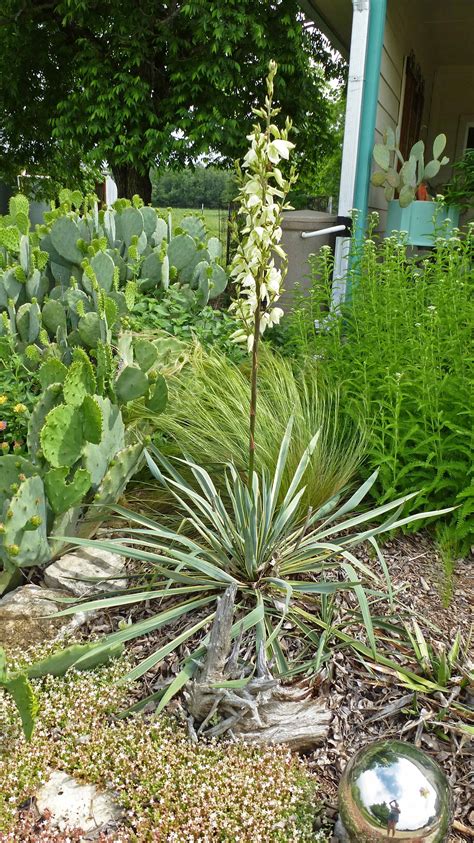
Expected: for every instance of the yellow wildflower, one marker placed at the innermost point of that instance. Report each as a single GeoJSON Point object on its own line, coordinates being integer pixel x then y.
{"type": "Point", "coordinates": [3, 399]}
{"type": "Point", "coordinates": [19, 408]}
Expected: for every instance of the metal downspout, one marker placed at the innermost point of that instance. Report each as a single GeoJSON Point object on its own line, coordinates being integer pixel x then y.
{"type": "Point", "coordinates": [377, 16]}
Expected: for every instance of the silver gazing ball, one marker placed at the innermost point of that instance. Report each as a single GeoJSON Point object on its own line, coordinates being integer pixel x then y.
{"type": "Point", "coordinates": [392, 790]}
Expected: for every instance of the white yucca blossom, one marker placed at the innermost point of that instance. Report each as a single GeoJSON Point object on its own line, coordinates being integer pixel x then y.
{"type": "Point", "coordinates": [263, 188]}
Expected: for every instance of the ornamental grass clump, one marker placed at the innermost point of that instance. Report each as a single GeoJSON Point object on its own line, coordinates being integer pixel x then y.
{"type": "Point", "coordinates": [207, 419]}
{"type": "Point", "coordinates": [168, 788]}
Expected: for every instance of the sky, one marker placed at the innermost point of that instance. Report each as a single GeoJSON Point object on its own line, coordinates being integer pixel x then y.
{"type": "Point", "coordinates": [404, 782]}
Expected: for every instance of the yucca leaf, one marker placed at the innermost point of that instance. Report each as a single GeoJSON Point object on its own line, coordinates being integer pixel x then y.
{"type": "Point", "coordinates": [126, 599]}
{"type": "Point", "coordinates": [383, 565]}
{"type": "Point", "coordinates": [280, 468]}
{"type": "Point", "coordinates": [181, 679]}
{"type": "Point", "coordinates": [300, 470]}
{"type": "Point", "coordinates": [321, 587]}
{"type": "Point", "coordinates": [364, 605]}
{"type": "Point", "coordinates": [354, 500]}
{"type": "Point", "coordinates": [164, 651]}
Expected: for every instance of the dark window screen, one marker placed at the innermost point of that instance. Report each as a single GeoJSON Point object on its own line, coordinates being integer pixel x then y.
{"type": "Point", "coordinates": [470, 138]}
{"type": "Point", "coordinates": [412, 106]}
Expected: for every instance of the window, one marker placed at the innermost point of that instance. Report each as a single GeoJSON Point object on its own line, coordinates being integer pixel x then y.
{"type": "Point", "coordinates": [469, 137]}
{"type": "Point", "coordinates": [412, 108]}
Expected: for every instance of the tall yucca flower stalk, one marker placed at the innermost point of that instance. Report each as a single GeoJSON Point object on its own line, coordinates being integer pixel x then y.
{"type": "Point", "coordinates": [262, 194]}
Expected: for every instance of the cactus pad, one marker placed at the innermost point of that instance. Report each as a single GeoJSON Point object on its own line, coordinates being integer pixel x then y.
{"type": "Point", "coordinates": [131, 383]}
{"type": "Point", "coordinates": [145, 353]}
{"type": "Point", "coordinates": [158, 397]}
{"type": "Point", "coordinates": [103, 266]}
{"type": "Point", "coordinates": [64, 236]}
{"type": "Point", "coordinates": [89, 329]}
{"type": "Point", "coordinates": [91, 420]}
{"type": "Point", "coordinates": [63, 495]}
{"type": "Point", "coordinates": [195, 227]}
{"type": "Point", "coordinates": [181, 251]}
{"type": "Point", "coordinates": [54, 316]}
{"type": "Point", "coordinates": [97, 457]}
{"type": "Point", "coordinates": [62, 437]}
{"type": "Point", "coordinates": [131, 222]}
{"type": "Point", "coordinates": [12, 468]}
{"type": "Point", "coordinates": [31, 545]}
{"type": "Point", "coordinates": [79, 382]}
{"type": "Point", "coordinates": [50, 398]}
{"type": "Point", "coordinates": [126, 463]}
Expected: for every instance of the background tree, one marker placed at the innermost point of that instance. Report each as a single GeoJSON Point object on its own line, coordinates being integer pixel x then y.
{"type": "Point", "coordinates": [137, 83]}
{"type": "Point", "coordinates": [192, 187]}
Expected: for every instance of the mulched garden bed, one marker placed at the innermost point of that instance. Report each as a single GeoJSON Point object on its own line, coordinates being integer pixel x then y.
{"type": "Point", "coordinates": [367, 705]}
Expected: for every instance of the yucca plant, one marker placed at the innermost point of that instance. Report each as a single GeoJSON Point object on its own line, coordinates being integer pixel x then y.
{"type": "Point", "coordinates": [281, 566]}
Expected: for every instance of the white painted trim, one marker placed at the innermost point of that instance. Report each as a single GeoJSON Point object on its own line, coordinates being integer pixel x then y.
{"type": "Point", "coordinates": [110, 190]}
{"type": "Point", "coordinates": [341, 266]}
{"type": "Point", "coordinates": [355, 88]}
{"type": "Point", "coordinates": [466, 121]}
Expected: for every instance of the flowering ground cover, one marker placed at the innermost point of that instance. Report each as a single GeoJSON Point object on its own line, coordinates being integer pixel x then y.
{"type": "Point", "coordinates": [169, 788]}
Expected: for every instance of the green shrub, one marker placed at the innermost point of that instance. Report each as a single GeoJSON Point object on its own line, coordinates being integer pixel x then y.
{"type": "Point", "coordinates": [181, 317]}
{"type": "Point", "coordinates": [18, 394]}
{"type": "Point", "coordinates": [402, 353]}
{"type": "Point", "coordinates": [207, 418]}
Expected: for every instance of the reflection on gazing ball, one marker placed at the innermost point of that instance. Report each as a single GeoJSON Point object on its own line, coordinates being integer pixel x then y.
{"type": "Point", "coordinates": [392, 790]}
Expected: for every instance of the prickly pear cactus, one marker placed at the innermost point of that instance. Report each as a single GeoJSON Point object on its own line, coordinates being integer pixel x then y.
{"type": "Point", "coordinates": [125, 464]}
{"type": "Point", "coordinates": [23, 537]}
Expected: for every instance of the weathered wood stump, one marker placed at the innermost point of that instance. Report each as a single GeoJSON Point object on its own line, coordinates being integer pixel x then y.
{"type": "Point", "coordinates": [257, 708]}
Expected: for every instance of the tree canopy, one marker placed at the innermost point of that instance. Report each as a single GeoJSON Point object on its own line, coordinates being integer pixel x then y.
{"type": "Point", "coordinates": [140, 83]}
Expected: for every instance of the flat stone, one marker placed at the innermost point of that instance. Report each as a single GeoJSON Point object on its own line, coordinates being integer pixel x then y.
{"type": "Point", "coordinates": [23, 621]}
{"type": "Point", "coordinates": [72, 570]}
{"type": "Point", "coordinates": [76, 805]}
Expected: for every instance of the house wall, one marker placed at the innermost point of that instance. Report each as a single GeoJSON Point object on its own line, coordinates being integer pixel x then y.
{"type": "Point", "coordinates": [452, 109]}
{"type": "Point", "coordinates": [403, 34]}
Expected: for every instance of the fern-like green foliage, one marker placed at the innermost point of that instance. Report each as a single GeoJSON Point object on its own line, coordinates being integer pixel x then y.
{"type": "Point", "coordinates": [402, 352]}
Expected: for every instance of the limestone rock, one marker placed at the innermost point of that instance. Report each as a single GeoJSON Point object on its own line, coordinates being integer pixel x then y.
{"type": "Point", "coordinates": [76, 805]}
{"type": "Point", "coordinates": [24, 621]}
{"type": "Point", "coordinates": [72, 571]}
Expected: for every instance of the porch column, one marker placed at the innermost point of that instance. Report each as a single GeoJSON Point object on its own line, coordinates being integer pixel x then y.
{"type": "Point", "coordinates": [377, 17]}
{"type": "Point", "coordinates": [355, 88]}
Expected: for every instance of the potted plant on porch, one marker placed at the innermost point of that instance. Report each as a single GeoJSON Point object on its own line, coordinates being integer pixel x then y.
{"type": "Point", "coordinates": [405, 183]}
{"type": "Point", "coordinates": [460, 189]}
